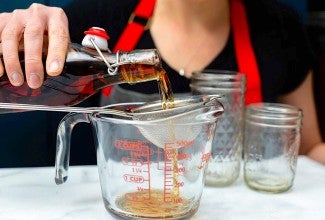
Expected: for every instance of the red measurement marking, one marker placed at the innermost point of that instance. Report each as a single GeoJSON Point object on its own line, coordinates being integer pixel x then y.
{"type": "Point", "coordinates": [138, 170]}
{"type": "Point", "coordinates": [131, 145]}
{"type": "Point", "coordinates": [184, 156]}
{"type": "Point", "coordinates": [184, 143]}
{"type": "Point", "coordinates": [179, 144]}
{"type": "Point", "coordinates": [181, 170]}
{"type": "Point", "coordinates": [142, 153]}
{"type": "Point", "coordinates": [132, 162]}
{"type": "Point", "coordinates": [168, 171]}
{"type": "Point", "coordinates": [179, 184]}
{"type": "Point", "coordinates": [133, 178]}
{"type": "Point", "coordinates": [204, 159]}
{"type": "Point", "coordinates": [178, 200]}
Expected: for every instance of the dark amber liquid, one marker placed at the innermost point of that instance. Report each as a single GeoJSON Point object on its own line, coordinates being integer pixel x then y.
{"type": "Point", "coordinates": [154, 203]}
{"type": "Point", "coordinates": [78, 81]}
{"type": "Point", "coordinates": [155, 206]}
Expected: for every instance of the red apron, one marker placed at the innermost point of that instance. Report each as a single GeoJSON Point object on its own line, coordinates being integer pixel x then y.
{"type": "Point", "coordinates": [245, 56]}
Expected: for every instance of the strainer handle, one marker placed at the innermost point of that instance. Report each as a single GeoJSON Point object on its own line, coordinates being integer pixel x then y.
{"type": "Point", "coordinates": [63, 144]}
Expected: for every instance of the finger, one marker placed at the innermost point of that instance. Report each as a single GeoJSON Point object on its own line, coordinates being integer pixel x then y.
{"type": "Point", "coordinates": [33, 45]}
{"type": "Point", "coordinates": [4, 17]}
{"type": "Point", "coordinates": [33, 39]}
{"type": "Point", "coordinates": [58, 33]}
{"type": "Point", "coordinates": [2, 24]}
{"type": "Point", "coordinates": [10, 37]}
{"type": "Point", "coordinates": [2, 70]}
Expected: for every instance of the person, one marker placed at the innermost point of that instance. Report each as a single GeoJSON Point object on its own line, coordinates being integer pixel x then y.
{"type": "Point", "coordinates": [191, 35]}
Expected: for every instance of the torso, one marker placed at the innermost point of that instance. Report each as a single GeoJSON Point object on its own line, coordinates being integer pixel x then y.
{"type": "Point", "coordinates": [268, 23]}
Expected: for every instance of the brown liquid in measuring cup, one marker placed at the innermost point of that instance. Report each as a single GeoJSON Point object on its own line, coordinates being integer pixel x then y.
{"type": "Point", "coordinates": [154, 206]}
{"type": "Point", "coordinates": [155, 202]}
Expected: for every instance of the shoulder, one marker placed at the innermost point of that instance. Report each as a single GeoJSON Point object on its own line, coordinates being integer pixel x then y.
{"type": "Point", "coordinates": [267, 14]}
{"type": "Point", "coordinates": [277, 27]}
{"type": "Point", "coordinates": [281, 45]}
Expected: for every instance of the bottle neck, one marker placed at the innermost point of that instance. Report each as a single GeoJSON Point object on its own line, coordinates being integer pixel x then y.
{"type": "Point", "coordinates": [143, 56]}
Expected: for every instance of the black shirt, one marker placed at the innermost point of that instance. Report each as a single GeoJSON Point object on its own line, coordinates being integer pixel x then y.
{"type": "Point", "coordinates": [279, 40]}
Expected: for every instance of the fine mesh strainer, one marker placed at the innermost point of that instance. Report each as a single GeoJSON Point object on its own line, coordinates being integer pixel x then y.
{"type": "Point", "coordinates": [183, 122]}
{"type": "Point", "coordinates": [138, 123]}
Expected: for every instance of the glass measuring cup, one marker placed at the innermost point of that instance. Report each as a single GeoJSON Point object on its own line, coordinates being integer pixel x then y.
{"type": "Point", "coordinates": [148, 167]}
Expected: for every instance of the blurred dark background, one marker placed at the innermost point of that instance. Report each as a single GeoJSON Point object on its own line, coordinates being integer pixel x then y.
{"type": "Point", "coordinates": [34, 133]}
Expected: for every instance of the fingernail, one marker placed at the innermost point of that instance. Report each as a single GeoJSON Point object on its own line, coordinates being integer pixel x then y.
{"type": "Point", "coordinates": [54, 66]}
{"type": "Point", "coordinates": [34, 80]}
{"type": "Point", "coordinates": [16, 79]}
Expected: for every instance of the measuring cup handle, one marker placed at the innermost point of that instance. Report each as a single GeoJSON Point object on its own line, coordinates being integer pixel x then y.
{"type": "Point", "coordinates": [63, 144]}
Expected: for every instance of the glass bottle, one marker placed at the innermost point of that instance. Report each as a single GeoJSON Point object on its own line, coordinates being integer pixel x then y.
{"type": "Point", "coordinates": [86, 71]}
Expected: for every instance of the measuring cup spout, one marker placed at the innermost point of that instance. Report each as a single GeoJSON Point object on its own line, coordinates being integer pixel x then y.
{"type": "Point", "coordinates": [63, 144]}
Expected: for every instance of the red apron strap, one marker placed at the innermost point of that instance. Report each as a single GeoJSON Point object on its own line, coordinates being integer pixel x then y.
{"type": "Point", "coordinates": [246, 59]}
{"type": "Point", "coordinates": [134, 30]}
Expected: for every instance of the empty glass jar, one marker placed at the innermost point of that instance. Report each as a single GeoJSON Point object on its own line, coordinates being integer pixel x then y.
{"type": "Point", "coordinates": [271, 145]}
{"type": "Point", "coordinates": [224, 164]}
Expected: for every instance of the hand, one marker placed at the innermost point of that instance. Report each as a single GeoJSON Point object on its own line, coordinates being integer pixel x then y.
{"type": "Point", "coordinates": [317, 153]}
{"type": "Point", "coordinates": [27, 27]}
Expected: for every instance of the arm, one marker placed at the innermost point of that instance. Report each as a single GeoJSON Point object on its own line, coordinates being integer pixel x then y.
{"type": "Point", "coordinates": [311, 142]}
{"type": "Point", "coordinates": [28, 27]}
